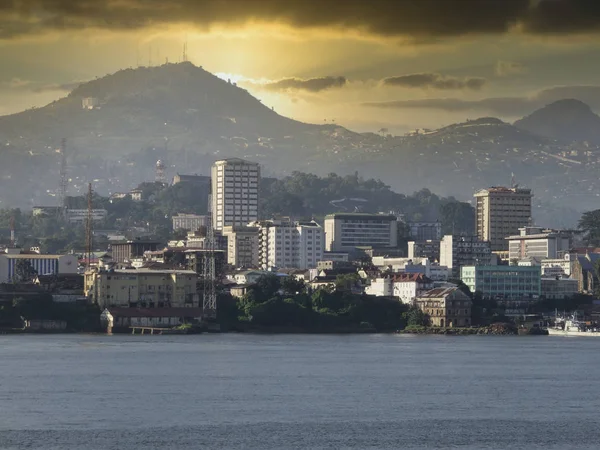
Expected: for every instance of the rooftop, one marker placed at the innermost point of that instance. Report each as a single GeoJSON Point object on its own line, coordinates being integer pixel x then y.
{"type": "Point", "coordinates": [365, 216]}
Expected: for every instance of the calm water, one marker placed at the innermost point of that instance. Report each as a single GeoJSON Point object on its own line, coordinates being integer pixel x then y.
{"type": "Point", "coordinates": [297, 392]}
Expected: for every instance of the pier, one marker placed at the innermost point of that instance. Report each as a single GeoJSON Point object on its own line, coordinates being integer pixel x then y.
{"type": "Point", "coordinates": [147, 330]}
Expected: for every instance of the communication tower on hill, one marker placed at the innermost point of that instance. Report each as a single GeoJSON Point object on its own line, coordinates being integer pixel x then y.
{"type": "Point", "coordinates": [62, 192]}
{"type": "Point", "coordinates": [89, 239]}
{"type": "Point", "coordinates": [160, 172]}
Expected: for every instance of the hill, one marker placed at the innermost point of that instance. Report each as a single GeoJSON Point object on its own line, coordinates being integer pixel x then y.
{"type": "Point", "coordinates": [188, 118]}
{"type": "Point", "coordinates": [566, 120]}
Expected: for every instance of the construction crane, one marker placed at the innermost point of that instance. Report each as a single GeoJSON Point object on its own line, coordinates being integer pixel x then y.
{"type": "Point", "coordinates": [89, 228]}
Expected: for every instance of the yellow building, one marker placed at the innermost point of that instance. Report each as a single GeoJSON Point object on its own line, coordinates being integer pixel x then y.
{"type": "Point", "coordinates": [142, 288]}
{"type": "Point", "coordinates": [446, 307]}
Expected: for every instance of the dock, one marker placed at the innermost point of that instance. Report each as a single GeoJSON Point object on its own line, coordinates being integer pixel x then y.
{"type": "Point", "coordinates": [148, 330]}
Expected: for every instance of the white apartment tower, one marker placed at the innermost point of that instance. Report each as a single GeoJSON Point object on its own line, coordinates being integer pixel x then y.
{"type": "Point", "coordinates": [500, 212]}
{"type": "Point", "coordinates": [290, 245]}
{"type": "Point", "coordinates": [234, 197]}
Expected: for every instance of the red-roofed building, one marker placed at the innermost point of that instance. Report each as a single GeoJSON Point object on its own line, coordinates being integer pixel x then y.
{"type": "Point", "coordinates": [404, 286]}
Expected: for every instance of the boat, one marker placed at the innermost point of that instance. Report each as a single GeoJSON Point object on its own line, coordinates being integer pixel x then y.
{"type": "Point", "coordinates": [572, 327]}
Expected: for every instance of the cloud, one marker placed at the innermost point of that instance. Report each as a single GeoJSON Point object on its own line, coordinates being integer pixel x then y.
{"type": "Point", "coordinates": [435, 81]}
{"type": "Point", "coordinates": [508, 68]}
{"type": "Point", "coordinates": [502, 106]}
{"type": "Point", "coordinates": [299, 84]}
{"type": "Point", "coordinates": [420, 20]}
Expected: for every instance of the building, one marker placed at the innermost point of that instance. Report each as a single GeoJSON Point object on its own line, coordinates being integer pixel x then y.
{"type": "Point", "coordinates": [243, 246]}
{"type": "Point", "coordinates": [197, 180]}
{"type": "Point", "coordinates": [189, 222]}
{"type": "Point", "coordinates": [408, 286]}
{"type": "Point", "coordinates": [287, 244]}
{"type": "Point", "coordinates": [79, 216]}
{"type": "Point", "coordinates": [584, 271]}
{"type": "Point", "coordinates": [556, 288]}
{"type": "Point", "coordinates": [503, 282]}
{"type": "Point", "coordinates": [346, 231]}
{"type": "Point", "coordinates": [458, 251]}
{"type": "Point", "coordinates": [424, 249]}
{"type": "Point", "coordinates": [425, 231]}
{"type": "Point", "coordinates": [90, 102]}
{"type": "Point", "coordinates": [142, 288]}
{"type": "Point", "coordinates": [46, 211]}
{"type": "Point", "coordinates": [128, 250]}
{"type": "Point", "coordinates": [234, 197]}
{"type": "Point", "coordinates": [558, 267]}
{"type": "Point", "coordinates": [535, 242]}
{"type": "Point", "coordinates": [500, 212]}
{"type": "Point", "coordinates": [198, 239]}
{"type": "Point", "coordinates": [41, 264]}
{"type": "Point", "coordinates": [446, 307]}
{"type": "Point", "coordinates": [137, 195]}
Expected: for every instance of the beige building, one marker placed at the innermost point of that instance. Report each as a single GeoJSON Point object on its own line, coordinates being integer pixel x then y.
{"type": "Point", "coordinates": [446, 307]}
{"type": "Point", "coordinates": [243, 246]}
{"type": "Point", "coordinates": [234, 197]}
{"type": "Point", "coordinates": [346, 231]}
{"type": "Point", "coordinates": [142, 288]}
{"type": "Point", "coordinates": [500, 212]}
{"type": "Point", "coordinates": [189, 222]}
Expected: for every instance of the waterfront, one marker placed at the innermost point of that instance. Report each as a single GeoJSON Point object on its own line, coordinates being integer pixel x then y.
{"type": "Point", "coordinates": [298, 391]}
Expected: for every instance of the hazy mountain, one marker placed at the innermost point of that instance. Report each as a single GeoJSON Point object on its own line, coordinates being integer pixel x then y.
{"type": "Point", "coordinates": [188, 117]}
{"type": "Point", "coordinates": [567, 120]}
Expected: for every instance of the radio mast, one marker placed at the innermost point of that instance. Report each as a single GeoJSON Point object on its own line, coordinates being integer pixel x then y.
{"type": "Point", "coordinates": [209, 300]}
{"type": "Point", "coordinates": [64, 182]}
{"type": "Point", "coordinates": [89, 228]}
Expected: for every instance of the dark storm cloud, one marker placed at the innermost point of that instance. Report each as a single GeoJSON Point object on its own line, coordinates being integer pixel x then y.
{"type": "Point", "coordinates": [418, 19]}
{"type": "Point", "coordinates": [298, 84]}
{"type": "Point", "coordinates": [502, 106]}
{"type": "Point", "coordinates": [434, 81]}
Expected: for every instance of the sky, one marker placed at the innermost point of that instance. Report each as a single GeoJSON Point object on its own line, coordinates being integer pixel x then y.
{"type": "Point", "coordinates": [372, 65]}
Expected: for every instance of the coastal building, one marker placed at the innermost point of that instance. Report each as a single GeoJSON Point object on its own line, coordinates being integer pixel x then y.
{"type": "Point", "coordinates": [80, 216]}
{"type": "Point", "coordinates": [446, 307]}
{"type": "Point", "coordinates": [408, 286]}
{"type": "Point", "coordinates": [458, 251]}
{"type": "Point", "coordinates": [234, 195]}
{"type": "Point", "coordinates": [243, 246]}
{"type": "Point", "coordinates": [289, 244]}
{"type": "Point", "coordinates": [41, 264]}
{"type": "Point", "coordinates": [556, 288]}
{"type": "Point", "coordinates": [142, 288]}
{"type": "Point", "coordinates": [500, 212]}
{"type": "Point", "coordinates": [536, 242]}
{"type": "Point", "coordinates": [346, 231]}
{"type": "Point", "coordinates": [189, 222]}
{"type": "Point", "coordinates": [424, 249]}
{"type": "Point", "coordinates": [128, 250]}
{"type": "Point", "coordinates": [503, 282]}
{"type": "Point", "coordinates": [584, 271]}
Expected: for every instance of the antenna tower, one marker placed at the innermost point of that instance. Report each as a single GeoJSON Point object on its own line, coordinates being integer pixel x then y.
{"type": "Point", "coordinates": [209, 300]}
{"type": "Point", "coordinates": [185, 57]}
{"type": "Point", "coordinates": [159, 175]}
{"type": "Point", "coordinates": [12, 232]}
{"type": "Point", "coordinates": [89, 228]}
{"type": "Point", "coordinates": [62, 193]}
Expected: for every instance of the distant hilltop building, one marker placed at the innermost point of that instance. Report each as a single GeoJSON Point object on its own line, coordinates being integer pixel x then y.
{"type": "Point", "coordinates": [90, 102]}
{"type": "Point", "coordinates": [189, 222]}
{"type": "Point", "coordinates": [500, 212]}
{"type": "Point", "coordinates": [79, 216]}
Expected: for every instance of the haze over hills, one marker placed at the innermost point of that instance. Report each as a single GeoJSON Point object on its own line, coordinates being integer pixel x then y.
{"type": "Point", "coordinates": [188, 117]}
{"type": "Point", "coordinates": [566, 120]}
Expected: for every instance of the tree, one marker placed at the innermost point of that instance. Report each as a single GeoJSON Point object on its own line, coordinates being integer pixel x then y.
{"type": "Point", "coordinates": [345, 283]}
{"type": "Point", "coordinates": [24, 271]}
{"type": "Point", "coordinates": [267, 286]}
{"type": "Point", "coordinates": [415, 317]}
{"type": "Point", "coordinates": [590, 224]}
{"type": "Point", "coordinates": [292, 286]}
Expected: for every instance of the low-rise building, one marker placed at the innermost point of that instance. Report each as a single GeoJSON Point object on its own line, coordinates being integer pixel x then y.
{"type": "Point", "coordinates": [408, 286]}
{"type": "Point", "coordinates": [142, 288]}
{"type": "Point", "coordinates": [425, 231]}
{"type": "Point", "coordinates": [584, 271]}
{"type": "Point", "coordinates": [424, 249]}
{"type": "Point", "coordinates": [346, 231]}
{"type": "Point", "coordinates": [189, 222]}
{"type": "Point", "coordinates": [556, 288]}
{"type": "Point", "coordinates": [536, 242]}
{"type": "Point", "coordinates": [41, 265]}
{"type": "Point", "coordinates": [80, 216]}
{"type": "Point", "coordinates": [558, 267]}
{"type": "Point", "coordinates": [128, 250]}
{"type": "Point", "coordinates": [503, 282]}
{"type": "Point", "coordinates": [446, 307]}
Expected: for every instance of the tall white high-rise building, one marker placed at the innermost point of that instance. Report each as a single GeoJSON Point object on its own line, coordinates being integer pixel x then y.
{"type": "Point", "coordinates": [234, 197]}
{"type": "Point", "coordinates": [287, 244]}
{"type": "Point", "coordinates": [500, 212]}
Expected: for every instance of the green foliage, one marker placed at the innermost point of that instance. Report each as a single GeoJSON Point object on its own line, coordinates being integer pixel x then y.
{"type": "Point", "coordinates": [292, 286]}
{"type": "Point", "coordinates": [590, 224]}
{"type": "Point", "coordinates": [347, 282]}
{"type": "Point", "coordinates": [24, 271]}
{"type": "Point", "coordinates": [266, 286]}
{"type": "Point", "coordinates": [415, 317]}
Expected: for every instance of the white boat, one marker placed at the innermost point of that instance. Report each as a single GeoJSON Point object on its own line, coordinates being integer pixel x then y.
{"type": "Point", "coordinates": [572, 327]}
